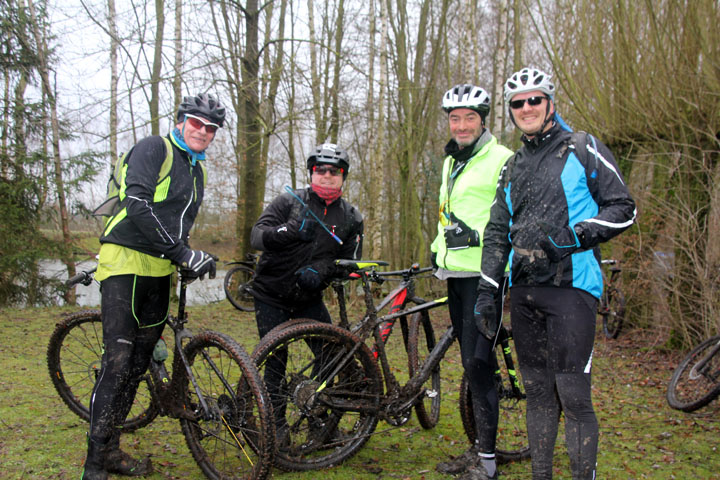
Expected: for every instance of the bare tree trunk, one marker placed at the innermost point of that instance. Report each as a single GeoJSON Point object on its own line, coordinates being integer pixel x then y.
{"type": "Point", "coordinates": [254, 179]}
{"type": "Point", "coordinates": [44, 70]}
{"type": "Point", "coordinates": [315, 76]}
{"type": "Point", "coordinates": [177, 68]}
{"type": "Point", "coordinates": [112, 27]}
{"type": "Point", "coordinates": [334, 127]}
{"type": "Point", "coordinates": [496, 126]}
{"type": "Point", "coordinates": [157, 68]}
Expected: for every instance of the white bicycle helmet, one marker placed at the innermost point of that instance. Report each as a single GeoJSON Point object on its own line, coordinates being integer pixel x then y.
{"type": "Point", "coordinates": [528, 80]}
{"type": "Point", "coordinates": [467, 96]}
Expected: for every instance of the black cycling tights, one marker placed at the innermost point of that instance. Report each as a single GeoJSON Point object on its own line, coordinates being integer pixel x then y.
{"type": "Point", "coordinates": [554, 331]}
{"type": "Point", "coordinates": [134, 310]}
{"type": "Point", "coordinates": [477, 358]}
{"type": "Point", "coordinates": [268, 317]}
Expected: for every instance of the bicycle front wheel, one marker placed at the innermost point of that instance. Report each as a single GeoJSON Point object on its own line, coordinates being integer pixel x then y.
{"type": "Point", "coordinates": [74, 357]}
{"type": "Point", "coordinates": [231, 434]}
{"type": "Point", "coordinates": [696, 381]}
{"type": "Point", "coordinates": [512, 442]}
{"type": "Point", "coordinates": [236, 283]}
{"type": "Point", "coordinates": [613, 313]}
{"type": "Point", "coordinates": [325, 388]}
{"type": "Point", "coordinates": [421, 341]}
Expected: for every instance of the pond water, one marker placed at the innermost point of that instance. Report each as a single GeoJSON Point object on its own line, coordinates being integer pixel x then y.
{"type": "Point", "coordinates": [198, 292]}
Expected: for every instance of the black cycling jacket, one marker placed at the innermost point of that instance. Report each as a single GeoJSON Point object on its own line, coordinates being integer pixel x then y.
{"type": "Point", "coordinates": [156, 219]}
{"type": "Point", "coordinates": [275, 281]}
{"type": "Point", "coordinates": [562, 179]}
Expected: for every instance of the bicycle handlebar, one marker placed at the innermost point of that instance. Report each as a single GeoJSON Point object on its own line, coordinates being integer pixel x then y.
{"type": "Point", "coordinates": [84, 277]}
{"type": "Point", "coordinates": [609, 261]}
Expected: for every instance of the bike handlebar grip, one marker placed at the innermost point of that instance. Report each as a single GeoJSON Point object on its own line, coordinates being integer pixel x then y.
{"type": "Point", "coordinates": [75, 279]}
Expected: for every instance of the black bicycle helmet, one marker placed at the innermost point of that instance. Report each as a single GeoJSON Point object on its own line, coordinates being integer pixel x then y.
{"type": "Point", "coordinates": [330, 154]}
{"type": "Point", "coordinates": [467, 96]}
{"type": "Point", "coordinates": [204, 105]}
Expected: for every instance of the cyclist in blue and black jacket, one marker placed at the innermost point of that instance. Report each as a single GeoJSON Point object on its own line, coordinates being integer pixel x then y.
{"type": "Point", "coordinates": [557, 199]}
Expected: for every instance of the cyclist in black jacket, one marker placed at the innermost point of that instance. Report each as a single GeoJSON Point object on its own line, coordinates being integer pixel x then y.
{"type": "Point", "coordinates": [557, 199]}
{"type": "Point", "coordinates": [141, 246]}
{"type": "Point", "coordinates": [301, 233]}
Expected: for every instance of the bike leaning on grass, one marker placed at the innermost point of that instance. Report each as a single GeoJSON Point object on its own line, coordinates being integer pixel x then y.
{"type": "Point", "coordinates": [696, 380]}
{"type": "Point", "coordinates": [214, 389]}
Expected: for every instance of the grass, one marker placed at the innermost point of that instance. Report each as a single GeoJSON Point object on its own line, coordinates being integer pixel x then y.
{"type": "Point", "coordinates": [641, 437]}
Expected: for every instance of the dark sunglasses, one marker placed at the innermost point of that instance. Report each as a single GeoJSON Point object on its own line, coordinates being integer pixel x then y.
{"type": "Point", "coordinates": [532, 101]}
{"type": "Point", "coordinates": [198, 123]}
{"type": "Point", "coordinates": [323, 169]}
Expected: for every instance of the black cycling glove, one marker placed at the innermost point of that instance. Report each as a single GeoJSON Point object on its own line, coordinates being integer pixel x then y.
{"type": "Point", "coordinates": [557, 242]}
{"type": "Point", "coordinates": [458, 235]}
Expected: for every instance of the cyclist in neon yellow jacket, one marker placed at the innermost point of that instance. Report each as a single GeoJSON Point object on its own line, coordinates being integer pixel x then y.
{"type": "Point", "coordinates": [469, 180]}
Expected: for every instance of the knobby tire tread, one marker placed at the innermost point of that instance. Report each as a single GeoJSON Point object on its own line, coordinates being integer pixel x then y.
{"type": "Point", "coordinates": [361, 378]}
{"type": "Point", "coordinates": [703, 390]}
{"type": "Point", "coordinates": [245, 304]}
{"type": "Point", "coordinates": [249, 415]}
{"type": "Point", "coordinates": [421, 341]}
{"type": "Point", "coordinates": [74, 356]}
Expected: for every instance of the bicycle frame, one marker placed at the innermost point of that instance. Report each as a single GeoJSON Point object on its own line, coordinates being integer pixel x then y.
{"type": "Point", "coordinates": [381, 328]}
{"type": "Point", "coordinates": [167, 393]}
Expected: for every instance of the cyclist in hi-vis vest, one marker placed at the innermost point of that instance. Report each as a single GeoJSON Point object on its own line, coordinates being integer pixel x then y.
{"type": "Point", "coordinates": [558, 198]}
{"type": "Point", "coordinates": [469, 177]}
{"type": "Point", "coordinates": [141, 246]}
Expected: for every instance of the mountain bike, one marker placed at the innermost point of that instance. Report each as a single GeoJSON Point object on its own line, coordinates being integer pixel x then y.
{"type": "Point", "coordinates": [329, 388]}
{"type": "Point", "coordinates": [696, 380]}
{"type": "Point", "coordinates": [237, 283]}
{"type": "Point", "coordinates": [512, 439]}
{"type": "Point", "coordinates": [214, 390]}
{"type": "Point", "coordinates": [612, 303]}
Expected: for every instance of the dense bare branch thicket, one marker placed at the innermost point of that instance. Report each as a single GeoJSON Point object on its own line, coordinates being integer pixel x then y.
{"type": "Point", "coordinates": [645, 77]}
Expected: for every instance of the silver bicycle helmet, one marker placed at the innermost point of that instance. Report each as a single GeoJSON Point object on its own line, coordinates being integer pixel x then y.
{"type": "Point", "coordinates": [528, 80]}
{"type": "Point", "coordinates": [204, 105]}
{"type": "Point", "coordinates": [467, 96]}
{"type": "Point", "coordinates": [330, 154]}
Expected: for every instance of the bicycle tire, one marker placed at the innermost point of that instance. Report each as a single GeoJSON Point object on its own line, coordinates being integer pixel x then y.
{"type": "Point", "coordinates": [421, 341]}
{"type": "Point", "coordinates": [690, 390]}
{"type": "Point", "coordinates": [235, 285]}
{"type": "Point", "coordinates": [74, 357]}
{"type": "Point", "coordinates": [512, 442]}
{"type": "Point", "coordinates": [311, 434]}
{"type": "Point", "coordinates": [235, 439]}
{"type": "Point", "coordinates": [613, 313]}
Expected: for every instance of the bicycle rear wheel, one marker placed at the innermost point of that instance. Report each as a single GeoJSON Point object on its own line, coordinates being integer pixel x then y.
{"type": "Point", "coordinates": [325, 387]}
{"type": "Point", "coordinates": [512, 439]}
{"type": "Point", "coordinates": [613, 313]}
{"type": "Point", "coordinates": [421, 341]}
{"type": "Point", "coordinates": [234, 437]}
{"type": "Point", "coordinates": [236, 284]}
{"type": "Point", "coordinates": [693, 386]}
{"type": "Point", "coordinates": [74, 357]}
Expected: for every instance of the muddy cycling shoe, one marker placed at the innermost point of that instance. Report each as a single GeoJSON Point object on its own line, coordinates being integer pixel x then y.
{"type": "Point", "coordinates": [461, 463]}
{"type": "Point", "coordinates": [117, 461]}
{"type": "Point", "coordinates": [477, 472]}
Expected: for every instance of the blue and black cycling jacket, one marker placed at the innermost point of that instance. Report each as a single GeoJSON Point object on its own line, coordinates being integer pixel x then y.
{"type": "Point", "coordinates": [563, 179]}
